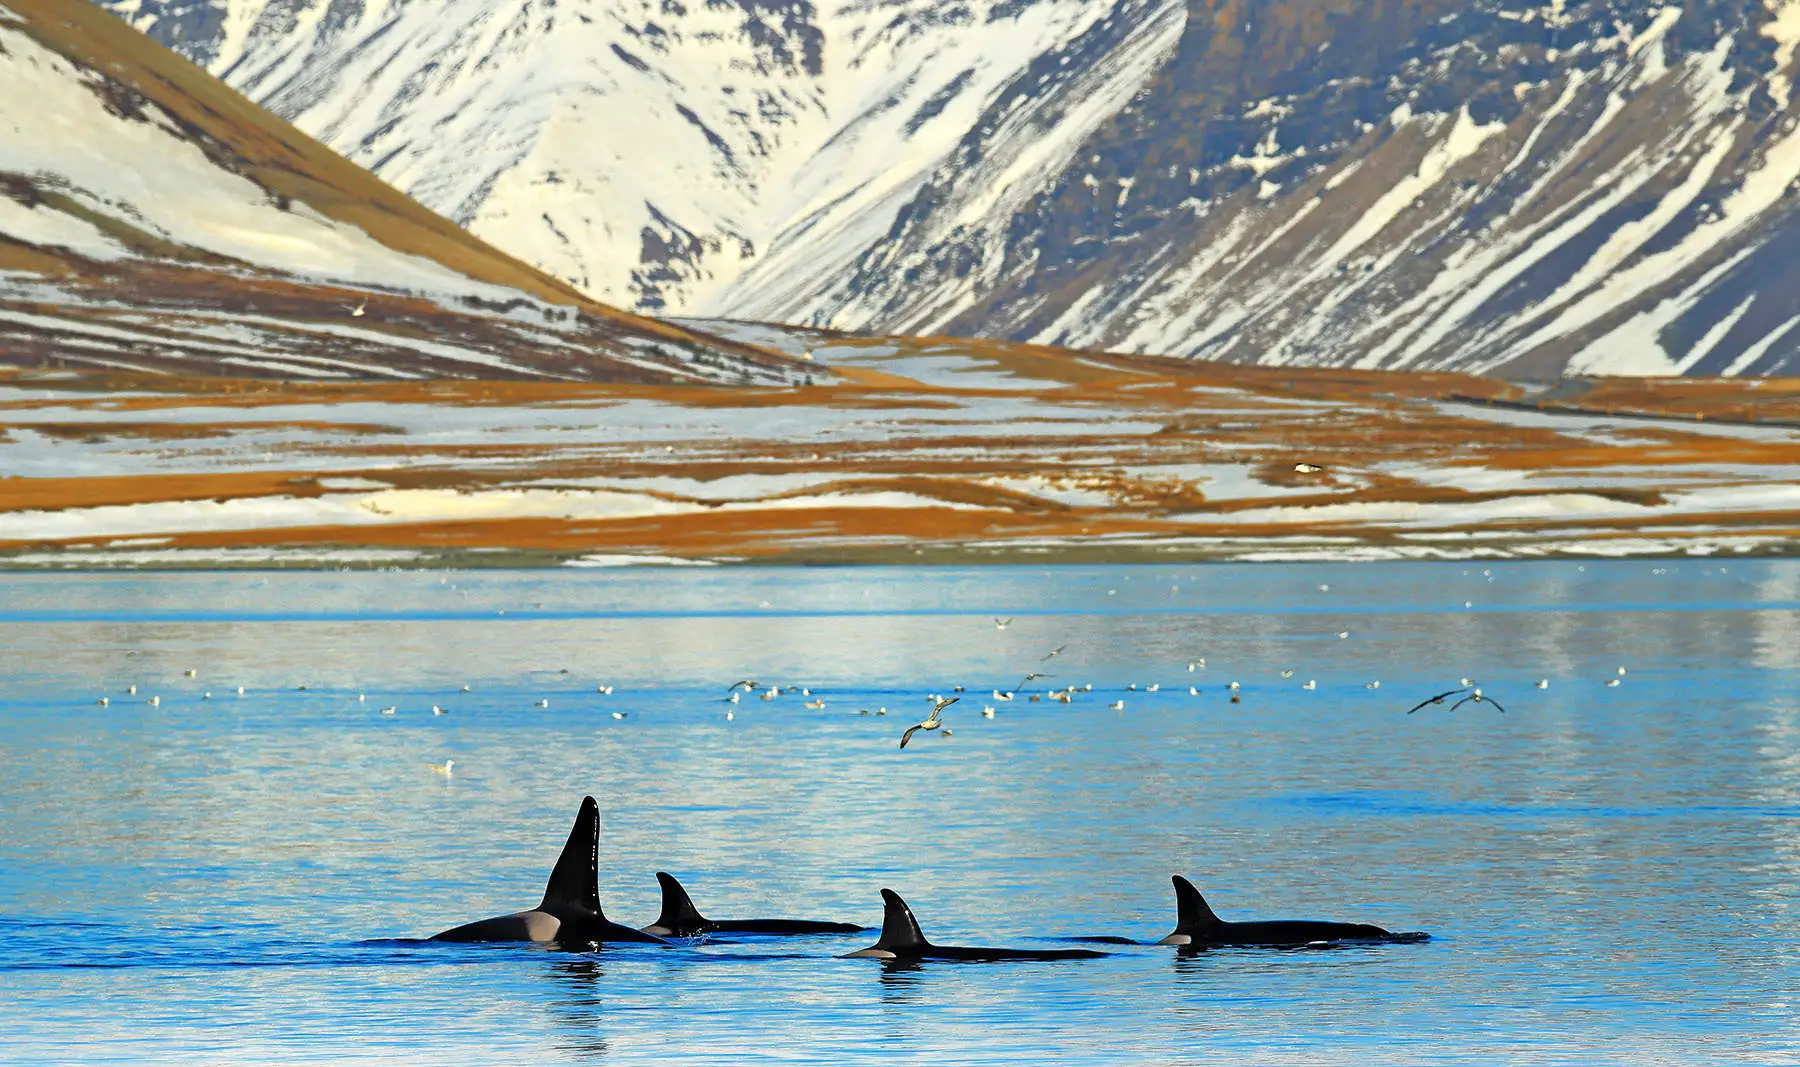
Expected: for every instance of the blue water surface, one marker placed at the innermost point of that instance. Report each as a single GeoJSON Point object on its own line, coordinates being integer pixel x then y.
{"type": "Point", "coordinates": [1609, 873]}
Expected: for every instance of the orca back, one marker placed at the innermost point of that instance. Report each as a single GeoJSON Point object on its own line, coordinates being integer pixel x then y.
{"type": "Point", "coordinates": [574, 886]}
{"type": "Point", "coordinates": [902, 939]}
{"type": "Point", "coordinates": [1195, 923]}
{"type": "Point", "coordinates": [899, 930]}
{"type": "Point", "coordinates": [679, 916]}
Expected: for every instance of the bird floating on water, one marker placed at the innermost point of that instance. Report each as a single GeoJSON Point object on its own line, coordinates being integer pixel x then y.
{"type": "Point", "coordinates": [816, 704]}
{"type": "Point", "coordinates": [131, 689]}
{"type": "Point", "coordinates": [389, 710]}
{"type": "Point", "coordinates": [445, 767]}
{"type": "Point", "coordinates": [1307, 468]}
{"type": "Point", "coordinates": [543, 703]}
{"type": "Point", "coordinates": [1288, 673]}
{"type": "Point", "coordinates": [1543, 683]}
{"type": "Point", "coordinates": [435, 710]}
{"type": "Point", "coordinates": [621, 714]}
{"type": "Point", "coordinates": [156, 702]}
{"type": "Point", "coordinates": [191, 672]}
{"type": "Point", "coordinates": [932, 721]}
{"type": "Point", "coordinates": [1372, 685]}
{"type": "Point", "coordinates": [1310, 684]}
{"type": "Point", "coordinates": [103, 702]}
{"type": "Point", "coordinates": [1117, 705]}
{"type": "Point", "coordinates": [987, 712]}
{"type": "Point", "coordinates": [1612, 683]}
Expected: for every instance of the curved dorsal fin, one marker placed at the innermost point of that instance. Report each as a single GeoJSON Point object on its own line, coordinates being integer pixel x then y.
{"type": "Point", "coordinates": [574, 881]}
{"type": "Point", "coordinates": [678, 911]}
{"type": "Point", "coordinates": [1192, 916]}
{"type": "Point", "coordinates": [898, 927]}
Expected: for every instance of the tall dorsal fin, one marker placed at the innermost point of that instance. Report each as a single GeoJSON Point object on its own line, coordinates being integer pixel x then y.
{"type": "Point", "coordinates": [574, 881]}
{"type": "Point", "coordinates": [898, 927]}
{"type": "Point", "coordinates": [678, 911]}
{"type": "Point", "coordinates": [1192, 916]}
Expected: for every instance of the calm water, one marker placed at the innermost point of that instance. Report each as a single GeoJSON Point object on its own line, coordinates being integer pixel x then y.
{"type": "Point", "coordinates": [1609, 873]}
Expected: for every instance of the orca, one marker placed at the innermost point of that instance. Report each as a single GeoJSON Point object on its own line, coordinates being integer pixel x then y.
{"type": "Point", "coordinates": [680, 918]}
{"type": "Point", "coordinates": [570, 911]}
{"type": "Point", "coordinates": [901, 939]}
{"type": "Point", "coordinates": [1196, 926]}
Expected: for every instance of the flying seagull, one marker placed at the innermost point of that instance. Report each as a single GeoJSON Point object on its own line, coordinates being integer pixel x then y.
{"type": "Point", "coordinates": [1479, 699]}
{"type": "Point", "coordinates": [748, 684]}
{"type": "Point", "coordinates": [1439, 699]}
{"type": "Point", "coordinates": [932, 721]}
{"type": "Point", "coordinates": [1001, 624]}
{"type": "Point", "coordinates": [1053, 653]}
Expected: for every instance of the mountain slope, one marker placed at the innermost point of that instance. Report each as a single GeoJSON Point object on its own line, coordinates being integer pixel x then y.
{"type": "Point", "coordinates": [1507, 186]}
{"type": "Point", "coordinates": [151, 218]}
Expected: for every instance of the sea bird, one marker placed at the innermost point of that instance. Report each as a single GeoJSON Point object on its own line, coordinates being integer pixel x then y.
{"type": "Point", "coordinates": [1439, 699]}
{"type": "Point", "coordinates": [1053, 653]}
{"type": "Point", "coordinates": [1001, 624]}
{"type": "Point", "coordinates": [932, 721]}
{"type": "Point", "coordinates": [1479, 699]}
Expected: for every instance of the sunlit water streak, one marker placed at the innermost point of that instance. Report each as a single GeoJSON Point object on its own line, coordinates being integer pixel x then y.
{"type": "Point", "coordinates": [1610, 874]}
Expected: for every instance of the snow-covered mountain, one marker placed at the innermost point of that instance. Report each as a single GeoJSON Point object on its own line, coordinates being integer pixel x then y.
{"type": "Point", "coordinates": [151, 219]}
{"type": "Point", "coordinates": [1513, 186]}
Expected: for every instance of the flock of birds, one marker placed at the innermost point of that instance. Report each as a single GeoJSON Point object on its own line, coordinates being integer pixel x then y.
{"type": "Point", "coordinates": [1466, 692]}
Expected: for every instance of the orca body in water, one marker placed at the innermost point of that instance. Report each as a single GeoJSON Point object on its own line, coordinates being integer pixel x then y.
{"type": "Point", "coordinates": [570, 912]}
{"type": "Point", "coordinates": [901, 939]}
{"type": "Point", "coordinates": [680, 918]}
{"type": "Point", "coordinates": [1196, 926]}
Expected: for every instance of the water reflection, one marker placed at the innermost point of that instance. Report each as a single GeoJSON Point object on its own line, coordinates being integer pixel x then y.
{"type": "Point", "coordinates": [577, 1005]}
{"type": "Point", "coordinates": [902, 981]}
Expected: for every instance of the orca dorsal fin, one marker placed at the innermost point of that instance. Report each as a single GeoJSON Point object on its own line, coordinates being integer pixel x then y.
{"type": "Point", "coordinates": [899, 930]}
{"type": "Point", "coordinates": [1192, 915]}
{"type": "Point", "coordinates": [574, 881]}
{"type": "Point", "coordinates": [678, 911]}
